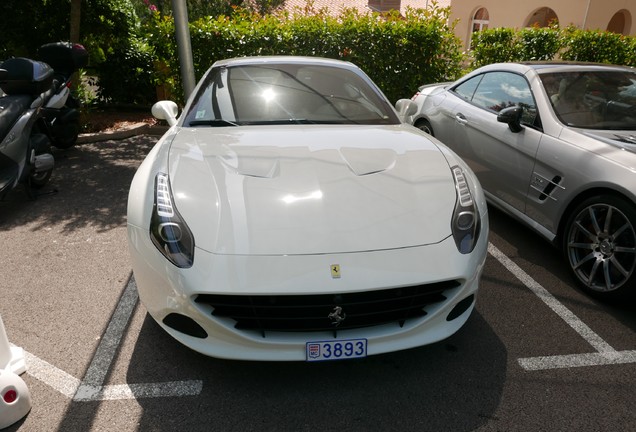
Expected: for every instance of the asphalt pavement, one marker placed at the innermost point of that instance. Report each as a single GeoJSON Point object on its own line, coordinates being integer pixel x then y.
{"type": "Point", "coordinates": [64, 263]}
{"type": "Point", "coordinates": [536, 355]}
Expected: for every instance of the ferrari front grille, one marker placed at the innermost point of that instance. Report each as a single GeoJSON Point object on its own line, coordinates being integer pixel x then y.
{"type": "Point", "coordinates": [320, 312]}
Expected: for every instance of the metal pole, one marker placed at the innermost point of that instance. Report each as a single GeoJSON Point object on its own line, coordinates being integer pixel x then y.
{"type": "Point", "coordinates": [587, 12]}
{"type": "Point", "coordinates": [184, 47]}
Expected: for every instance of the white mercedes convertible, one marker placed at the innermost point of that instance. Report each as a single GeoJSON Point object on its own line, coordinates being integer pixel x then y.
{"type": "Point", "coordinates": [290, 214]}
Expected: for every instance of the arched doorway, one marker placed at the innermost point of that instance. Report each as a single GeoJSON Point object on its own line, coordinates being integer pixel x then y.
{"type": "Point", "coordinates": [620, 23]}
{"type": "Point", "coordinates": [542, 17]}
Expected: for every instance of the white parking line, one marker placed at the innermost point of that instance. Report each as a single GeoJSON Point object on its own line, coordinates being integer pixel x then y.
{"type": "Point", "coordinates": [50, 375]}
{"type": "Point", "coordinates": [105, 353]}
{"type": "Point", "coordinates": [92, 388]}
{"type": "Point", "coordinates": [606, 354]}
{"type": "Point", "coordinates": [136, 391]}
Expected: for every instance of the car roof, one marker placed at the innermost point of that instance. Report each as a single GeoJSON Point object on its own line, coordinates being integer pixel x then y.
{"type": "Point", "coordinates": [553, 66]}
{"type": "Point", "coordinates": [282, 59]}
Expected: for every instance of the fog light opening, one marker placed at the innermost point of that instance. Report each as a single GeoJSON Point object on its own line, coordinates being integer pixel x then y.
{"type": "Point", "coordinates": [186, 325]}
{"type": "Point", "coordinates": [461, 307]}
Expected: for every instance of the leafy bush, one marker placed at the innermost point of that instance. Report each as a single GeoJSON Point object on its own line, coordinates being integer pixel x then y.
{"type": "Point", "coordinates": [399, 54]}
{"type": "Point", "coordinates": [597, 46]}
{"type": "Point", "coordinates": [28, 24]}
{"type": "Point", "coordinates": [133, 49]}
{"type": "Point", "coordinates": [538, 43]}
{"type": "Point", "coordinates": [552, 43]}
{"type": "Point", "coordinates": [493, 46]}
{"type": "Point", "coordinates": [108, 29]}
{"type": "Point", "coordinates": [128, 74]}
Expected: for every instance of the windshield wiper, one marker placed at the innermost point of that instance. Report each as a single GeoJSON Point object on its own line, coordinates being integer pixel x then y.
{"type": "Point", "coordinates": [295, 121]}
{"type": "Point", "coordinates": [212, 122]}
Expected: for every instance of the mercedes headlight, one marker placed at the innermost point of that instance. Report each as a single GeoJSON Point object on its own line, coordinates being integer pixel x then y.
{"type": "Point", "coordinates": [168, 231]}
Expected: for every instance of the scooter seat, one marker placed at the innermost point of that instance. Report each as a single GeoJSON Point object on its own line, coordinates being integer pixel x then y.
{"type": "Point", "coordinates": [11, 108]}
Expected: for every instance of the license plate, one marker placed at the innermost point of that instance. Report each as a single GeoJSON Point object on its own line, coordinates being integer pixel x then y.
{"type": "Point", "coordinates": [336, 350]}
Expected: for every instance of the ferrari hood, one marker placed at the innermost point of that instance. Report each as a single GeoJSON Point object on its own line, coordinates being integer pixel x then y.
{"type": "Point", "coordinates": [310, 190]}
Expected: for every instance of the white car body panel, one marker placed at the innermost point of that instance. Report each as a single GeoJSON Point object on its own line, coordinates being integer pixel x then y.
{"type": "Point", "coordinates": [303, 274]}
{"type": "Point", "coordinates": [274, 209]}
{"type": "Point", "coordinates": [291, 190]}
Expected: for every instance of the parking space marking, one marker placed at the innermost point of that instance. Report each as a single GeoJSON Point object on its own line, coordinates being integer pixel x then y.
{"type": "Point", "coordinates": [92, 387]}
{"type": "Point", "coordinates": [50, 375]}
{"type": "Point", "coordinates": [606, 354]}
{"type": "Point", "coordinates": [88, 393]}
{"type": "Point", "coordinates": [577, 360]}
{"type": "Point", "coordinates": [105, 353]}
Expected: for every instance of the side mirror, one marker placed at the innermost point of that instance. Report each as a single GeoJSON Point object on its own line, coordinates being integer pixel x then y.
{"type": "Point", "coordinates": [511, 116]}
{"type": "Point", "coordinates": [166, 110]}
{"type": "Point", "coordinates": [406, 108]}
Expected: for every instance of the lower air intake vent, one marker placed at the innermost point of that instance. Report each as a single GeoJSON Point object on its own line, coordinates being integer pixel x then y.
{"type": "Point", "coordinates": [307, 313]}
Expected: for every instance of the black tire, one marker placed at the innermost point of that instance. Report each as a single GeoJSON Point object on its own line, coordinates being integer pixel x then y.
{"type": "Point", "coordinates": [599, 244]}
{"type": "Point", "coordinates": [41, 145]}
{"type": "Point", "coordinates": [424, 126]}
{"type": "Point", "coordinates": [40, 179]}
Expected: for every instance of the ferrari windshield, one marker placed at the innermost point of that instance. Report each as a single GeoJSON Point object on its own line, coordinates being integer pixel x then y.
{"type": "Point", "coordinates": [287, 94]}
{"type": "Point", "coordinates": [593, 99]}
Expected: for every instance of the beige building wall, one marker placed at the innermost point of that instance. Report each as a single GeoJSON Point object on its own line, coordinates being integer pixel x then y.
{"type": "Point", "coordinates": [614, 15]}
{"type": "Point", "coordinates": [618, 16]}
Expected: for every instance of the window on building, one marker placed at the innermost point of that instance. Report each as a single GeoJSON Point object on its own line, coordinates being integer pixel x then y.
{"type": "Point", "coordinates": [384, 5]}
{"type": "Point", "coordinates": [480, 20]}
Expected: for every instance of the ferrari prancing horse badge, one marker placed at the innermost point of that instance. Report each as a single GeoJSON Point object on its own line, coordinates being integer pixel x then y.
{"type": "Point", "coordinates": [335, 271]}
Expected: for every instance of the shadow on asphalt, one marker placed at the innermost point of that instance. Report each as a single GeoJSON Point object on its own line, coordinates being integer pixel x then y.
{"type": "Point", "coordinates": [89, 186]}
{"type": "Point", "coordinates": [429, 388]}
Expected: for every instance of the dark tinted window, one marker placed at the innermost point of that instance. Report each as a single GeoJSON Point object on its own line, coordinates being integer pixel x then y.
{"type": "Point", "coordinates": [596, 99]}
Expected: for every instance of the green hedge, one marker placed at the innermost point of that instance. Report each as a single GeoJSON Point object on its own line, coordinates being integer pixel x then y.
{"type": "Point", "coordinates": [552, 43]}
{"type": "Point", "coordinates": [133, 50]}
{"type": "Point", "coordinates": [398, 53]}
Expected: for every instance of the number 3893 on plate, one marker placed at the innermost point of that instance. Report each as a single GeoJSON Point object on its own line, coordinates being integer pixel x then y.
{"type": "Point", "coordinates": [336, 349]}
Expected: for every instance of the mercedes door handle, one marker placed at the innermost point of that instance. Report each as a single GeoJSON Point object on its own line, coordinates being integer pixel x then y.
{"type": "Point", "coordinates": [459, 118]}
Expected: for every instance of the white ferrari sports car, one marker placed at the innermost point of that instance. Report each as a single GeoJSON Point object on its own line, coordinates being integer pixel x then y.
{"type": "Point", "coordinates": [289, 214]}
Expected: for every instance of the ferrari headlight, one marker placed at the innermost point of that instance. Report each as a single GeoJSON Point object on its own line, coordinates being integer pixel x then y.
{"type": "Point", "coordinates": [465, 223]}
{"type": "Point", "coordinates": [168, 231]}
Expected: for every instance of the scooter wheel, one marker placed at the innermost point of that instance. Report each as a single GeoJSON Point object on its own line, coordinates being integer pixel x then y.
{"type": "Point", "coordinates": [41, 145]}
{"type": "Point", "coordinates": [40, 179]}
